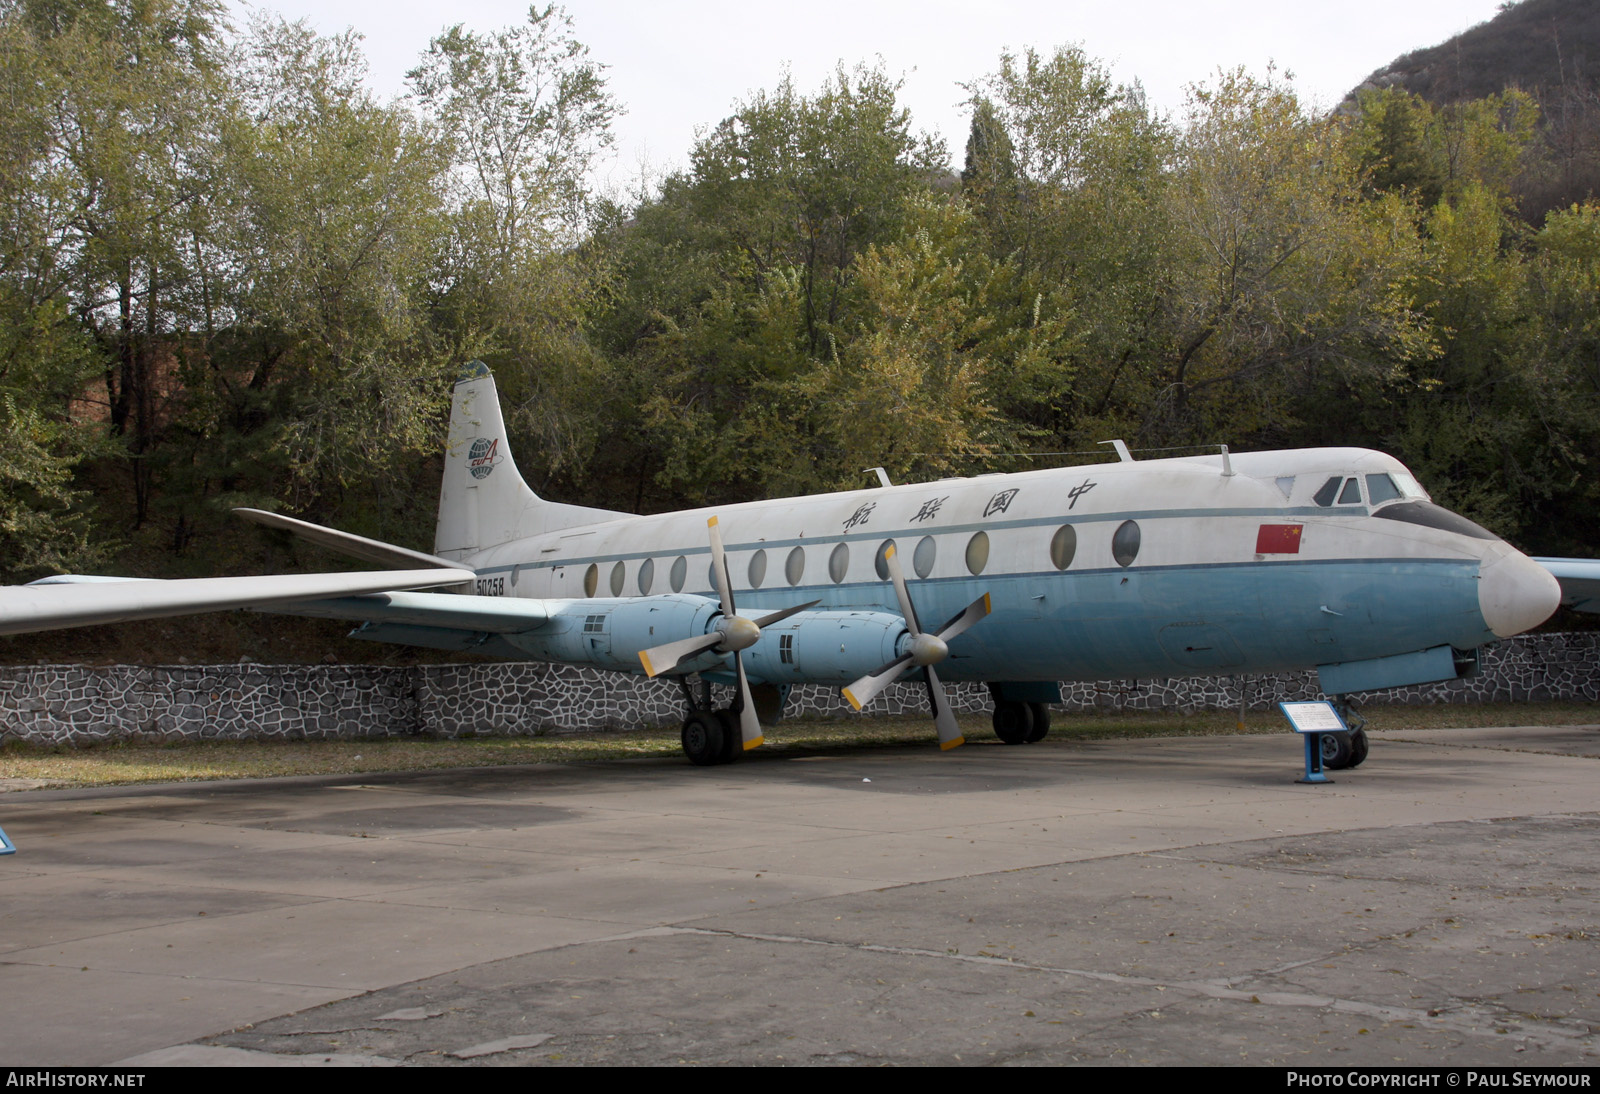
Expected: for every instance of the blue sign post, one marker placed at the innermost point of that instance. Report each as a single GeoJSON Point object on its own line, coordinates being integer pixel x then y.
{"type": "Point", "coordinates": [1311, 720]}
{"type": "Point", "coordinates": [6, 846]}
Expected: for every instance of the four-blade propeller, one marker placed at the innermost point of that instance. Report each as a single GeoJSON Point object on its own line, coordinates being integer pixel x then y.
{"type": "Point", "coordinates": [731, 634]}
{"type": "Point", "coordinates": [925, 651]}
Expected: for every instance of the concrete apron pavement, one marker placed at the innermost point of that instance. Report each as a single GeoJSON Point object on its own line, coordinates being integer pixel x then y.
{"type": "Point", "coordinates": [1160, 901]}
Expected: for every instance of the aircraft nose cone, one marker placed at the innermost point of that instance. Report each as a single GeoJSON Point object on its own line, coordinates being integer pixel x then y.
{"type": "Point", "coordinates": [1516, 594]}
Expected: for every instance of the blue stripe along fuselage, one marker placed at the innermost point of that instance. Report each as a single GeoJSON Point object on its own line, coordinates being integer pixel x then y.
{"type": "Point", "coordinates": [1116, 623]}
{"type": "Point", "coordinates": [1163, 621]}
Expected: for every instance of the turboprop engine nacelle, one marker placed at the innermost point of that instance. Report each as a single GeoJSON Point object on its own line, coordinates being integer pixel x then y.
{"type": "Point", "coordinates": [608, 633]}
{"type": "Point", "coordinates": [835, 645]}
{"type": "Point", "coordinates": [807, 646]}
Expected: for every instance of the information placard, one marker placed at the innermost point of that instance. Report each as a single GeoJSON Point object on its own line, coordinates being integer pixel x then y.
{"type": "Point", "coordinates": [1317, 717]}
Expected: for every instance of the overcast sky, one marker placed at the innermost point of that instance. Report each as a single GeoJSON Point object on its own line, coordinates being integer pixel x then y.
{"type": "Point", "coordinates": [682, 66]}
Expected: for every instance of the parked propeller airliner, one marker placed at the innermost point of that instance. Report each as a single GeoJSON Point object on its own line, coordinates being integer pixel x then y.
{"type": "Point", "coordinates": [1331, 558]}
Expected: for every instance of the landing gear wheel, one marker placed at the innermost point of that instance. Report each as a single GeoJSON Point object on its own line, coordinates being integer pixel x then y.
{"type": "Point", "coordinates": [703, 738]}
{"type": "Point", "coordinates": [1013, 722]}
{"type": "Point", "coordinates": [1041, 722]}
{"type": "Point", "coordinates": [732, 735]}
{"type": "Point", "coordinates": [1358, 747]}
{"type": "Point", "coordinates": [1336, 751]}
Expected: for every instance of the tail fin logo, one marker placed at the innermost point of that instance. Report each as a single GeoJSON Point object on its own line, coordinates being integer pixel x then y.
{"type": "Point", "coordinates": [482, 457]}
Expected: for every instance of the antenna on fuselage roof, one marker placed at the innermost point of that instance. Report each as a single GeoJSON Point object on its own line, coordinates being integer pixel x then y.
{"type": "Point", "coordinates": [1122, 449]}
{"type": "Point", "coordinates": [883, 476]}
{"type": "Point", "coordinates": [1227, 464]}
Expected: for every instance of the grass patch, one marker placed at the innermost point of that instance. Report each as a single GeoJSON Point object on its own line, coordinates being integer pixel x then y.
{"type": "Point", "coordinates": [127, 763]}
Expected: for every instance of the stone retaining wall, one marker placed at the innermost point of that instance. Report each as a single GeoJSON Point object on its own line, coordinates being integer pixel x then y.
{"type": "Point", "coordinates": [74, 704]}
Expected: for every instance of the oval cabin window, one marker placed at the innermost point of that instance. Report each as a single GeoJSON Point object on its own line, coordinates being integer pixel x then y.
{"type": "Point", "coordinates": [758, 569]}
{"type": "Point", "coordinates": [794, 567]}
{"type": "Point", "coordinates": [679, 573]}
{"type": "Point", "coordinates": [923, 557]}
{"type": "Point", "coordinates": [1125, 543]}
{"type": "Point", "coordinates": [839, 563]}
{"type": "Point", "coordinates": [647, 576]}
{"type": "Point", "coordinates": [1063, 545]}
{"type": "Point", "coordinates": [977, 552]}
{"type": "Point", "coordinates": [591, 579]}
{"type": "Point", "coordinates": [619, 574]}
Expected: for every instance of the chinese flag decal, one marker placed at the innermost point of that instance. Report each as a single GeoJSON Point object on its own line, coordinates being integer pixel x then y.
{"type": "Point", "coordinates": [1278, 539]}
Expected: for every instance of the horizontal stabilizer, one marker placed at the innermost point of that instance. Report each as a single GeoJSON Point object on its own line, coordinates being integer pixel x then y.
{"type": "Point", "coordinates": [345, 543]}
{"type": "Point", "coordinates": [1580, 581]}
{"type": "Point", "coordinates": [79, 602]}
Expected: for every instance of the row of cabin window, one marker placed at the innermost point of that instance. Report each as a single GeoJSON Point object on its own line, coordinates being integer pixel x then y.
{"type": "Point", "coordinates": [1063, 548]}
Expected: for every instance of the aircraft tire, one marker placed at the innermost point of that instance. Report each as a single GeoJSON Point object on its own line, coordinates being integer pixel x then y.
{"type": "Point", "coordinates": [732, 735]}
{"type": "Point", "coordinates": [703, 738]}
{"type": "Point", "coordinates": [1336, 751]}
{"type": "Point", "coordinates": [1358, 747]}
{"type": "Point", "coordinates": [1013, 722]}
{"type": "Point", "coordinates": [1041, 721]}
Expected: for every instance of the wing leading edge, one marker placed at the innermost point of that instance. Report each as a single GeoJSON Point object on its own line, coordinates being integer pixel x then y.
{"type": "Point", "coordinates": [74, 601]}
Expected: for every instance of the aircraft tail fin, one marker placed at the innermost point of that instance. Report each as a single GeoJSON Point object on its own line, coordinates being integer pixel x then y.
{"type": "Point", "coordinates": [483, 501]}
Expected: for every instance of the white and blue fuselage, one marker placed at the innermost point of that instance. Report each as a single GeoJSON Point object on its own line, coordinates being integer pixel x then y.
{"type": "Point", "coordinates": [1173, 567]}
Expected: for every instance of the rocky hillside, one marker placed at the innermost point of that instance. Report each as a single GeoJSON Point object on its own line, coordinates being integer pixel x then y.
{"type": "Point", "coordinates": [1544, 47]}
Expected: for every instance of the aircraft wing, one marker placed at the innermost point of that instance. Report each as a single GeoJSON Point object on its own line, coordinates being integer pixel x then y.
{"type": "Point", "coordinates": [75, 601]}
{"type": "Point", "coordinates": [475, 614]}
{"type": "Point", "coordinates": [1580, 581]}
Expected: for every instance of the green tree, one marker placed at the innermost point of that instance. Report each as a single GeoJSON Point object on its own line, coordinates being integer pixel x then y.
{"type": "Point", "coordinates": [808, 182]}
{"type": "Point", "coordinates": [133, 85]}
{"type": "Point", "coordinates": [316, 370]}
{"type": "Point", "coordinates": [523, 113]}
{"type": "Point", "coordinates": [1407, 145]}
{"type": "Point", "coordinates": [734, 285]}
{"type": "Point", "coordinates": [909, 387]}
{"type": "Point", "coordinates": [1284, 283]}
{"type": "Point", "coordinates": [1395, 135]}
{"type": "Point", "coordinates": [92, 170]}
{"type": "Point", "coordinates": [1081, 235]}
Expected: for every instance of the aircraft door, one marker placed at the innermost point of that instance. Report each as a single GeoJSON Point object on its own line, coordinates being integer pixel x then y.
{"type": "Point", "coordinates": [597, 636]}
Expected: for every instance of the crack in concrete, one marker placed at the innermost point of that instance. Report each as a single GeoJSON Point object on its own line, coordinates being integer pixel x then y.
{"type": "Point", "coordinates": [1473, 1019]}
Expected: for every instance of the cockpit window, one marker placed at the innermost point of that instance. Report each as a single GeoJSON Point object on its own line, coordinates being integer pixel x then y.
{"type": "Point", "coordinates": [1381, 488]}
{"type": "Point", "coordinates": [1410, 488]}
{"type": "Point", "coordinates": [1393, 486]}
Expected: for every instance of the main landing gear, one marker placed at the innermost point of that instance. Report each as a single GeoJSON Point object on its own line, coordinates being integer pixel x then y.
{"type": "Point", "coordinates": [1019, 723]}
{"type": "Point", "coordinates": [709, 736]}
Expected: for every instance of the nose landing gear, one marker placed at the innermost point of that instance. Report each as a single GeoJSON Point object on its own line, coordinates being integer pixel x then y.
{"type": "Point", "coordinates": [1346, 750]}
